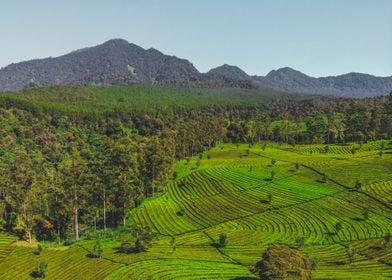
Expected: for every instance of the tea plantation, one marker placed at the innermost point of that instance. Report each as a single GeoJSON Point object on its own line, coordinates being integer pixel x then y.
{"type": "Point", "coordinates": [325, 201]}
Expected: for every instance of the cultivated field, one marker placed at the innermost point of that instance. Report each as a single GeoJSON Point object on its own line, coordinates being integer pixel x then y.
{"type": "Point", "coordinates": [256, 195]}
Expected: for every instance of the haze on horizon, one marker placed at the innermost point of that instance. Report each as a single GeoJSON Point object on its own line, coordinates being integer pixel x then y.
{"type": "Point", "coordinates": [315, 37]}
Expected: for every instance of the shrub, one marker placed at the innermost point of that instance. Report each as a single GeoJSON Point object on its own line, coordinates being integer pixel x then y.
{"type": "Point", "coordinates": [269, 198]}
{"type": "Point", "coordinates": [272, 174]}
{"type": "Point", "coordinates": [175, 175]}
{"type": "Point", "coordinates": [365, 213]}
{"type": "Point", "coordinates": [358, 185]}
{"type": "Point", "coordinates": [387, 239]}
{"type": "Point", "coordinates": [39, 249]}
{"type": "Point", "coordinates": [180, 212]}
{"type": "Point", "coordinates": [338, 227]}
{"type": "Point", "coordinates": [300, 241]}
{"type": "Point", "coordinates": [69, 242]}
{"type": "Point", "coordinates": [314, 262]}
{"type": "Point", "coordinates": [350, 254]}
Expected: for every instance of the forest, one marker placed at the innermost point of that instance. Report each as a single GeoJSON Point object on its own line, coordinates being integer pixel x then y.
{"type": "Point", "coordinates": [65, 172]}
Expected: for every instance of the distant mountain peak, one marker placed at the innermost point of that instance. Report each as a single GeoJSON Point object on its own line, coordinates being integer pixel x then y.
{"type": "Point", "coordinates": [117, 41]}
{"type": "Point", "coordinates": [350, 84]}
{"type": "Point", "coordinates": [114, 62]}
{"type": "Point", "coordinates": [229, 71]}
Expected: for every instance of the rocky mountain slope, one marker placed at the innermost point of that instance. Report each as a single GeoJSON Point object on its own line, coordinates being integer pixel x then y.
{"type": "Point", "coordinates": [119, 62]}
{"type": "Point", "coordinates": [348, 85]}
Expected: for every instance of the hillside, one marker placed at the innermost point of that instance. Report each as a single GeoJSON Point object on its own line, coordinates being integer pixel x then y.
{"type": "Point", "coordinates": [229, 190]}
{"type": "Point", "coordinates": [140, 97]}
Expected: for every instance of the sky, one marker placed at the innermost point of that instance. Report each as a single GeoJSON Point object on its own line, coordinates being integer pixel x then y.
{"type": "Point", "coordinates": [319, 38]}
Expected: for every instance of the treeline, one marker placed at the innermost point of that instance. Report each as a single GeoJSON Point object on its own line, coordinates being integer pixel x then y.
{"type": "Point", "coordinates": [62, 174]}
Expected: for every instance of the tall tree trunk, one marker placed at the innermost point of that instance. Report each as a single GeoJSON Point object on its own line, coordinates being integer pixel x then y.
{"type": "Point", "coordinates": [104, 209]}
{"type": "Point", "coordinates": [76, 216]}
{"type": "Point", "coordinates": [124, 214]}
{"type": "Point", "coordinates": [153, 179]}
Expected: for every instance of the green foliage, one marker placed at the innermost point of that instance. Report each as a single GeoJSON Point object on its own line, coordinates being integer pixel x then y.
{"type": "Point", "coordinates": [39, 249]}
{"type": "Point", "coordinates": [338, 227]}
{"type": "Point", "coordinates": [350, 254]}
{"type": "Point", "coordinates": [40, 270]}
{"type": "Point", "coordinates": [273, 174]}
{"type": "Point", "coordinates": [181, 212]}
{"type": "Point", "coordinates": [139, 240]}
{"type": "Point", "coordinates": [365, 213]}
{"type": "Point", "coordinates": [97, 248]}
{"type": "Point", "coordinates": [223, 240]}
{"type": "Point", "coordinates": [300, 241]}
{"type": "Point", "coordinates": [387, 239]}
{"type": "Point", "coordinates": [279, 261]}
{"type": "Point", "coordinates": [358, 185]}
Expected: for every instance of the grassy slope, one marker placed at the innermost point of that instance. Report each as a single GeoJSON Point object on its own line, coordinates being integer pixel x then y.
{"type": "Point", "coordinates": [227, 194]}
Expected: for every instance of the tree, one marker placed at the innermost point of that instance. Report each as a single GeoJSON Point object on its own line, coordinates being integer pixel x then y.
{"type": "Point", "coordinates": [272, 174]}
{"type": "Point", "coordinates": [222, 240]}
{"type": "Point", "coordinates": [139, 240]}
{"type": "Point", "coordinates": [350, 254]}
{"type": "Point", "coordinates": [300, 241]}
{"type": "Point", "coordinates": [387, 237]}
{"type": "Point", "coordinates": [358, 185]}
{"type": "Point", "coordinates": [338, 227]}
{"type": "Point", "coordinates": [365, 213]}
{"type": "Point", "coordinates": [97, 248]}
{"type": "Point", "coordinates": [175, 175]}
{"type": "Point", "coordinates": [40, 269]}
{"type": "Point", "coordinates": [280, 261]}
{"type": "Point", "coordinates": [39, 249]}
{"type": "Point", "coordinates": [269, 198]}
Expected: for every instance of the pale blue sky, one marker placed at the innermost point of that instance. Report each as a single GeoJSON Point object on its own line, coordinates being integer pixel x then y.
{"type": "Point", "coordinates": [316, 37]}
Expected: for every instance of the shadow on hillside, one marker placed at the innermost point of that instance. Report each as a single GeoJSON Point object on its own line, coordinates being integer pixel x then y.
{"type": "Point", "coordinates": [358, 219]}
{"type": "Point", "coordinates": [243, 278]}
{"type": "Point", "coordinates": [337, 263]}
{"type": "Point", "coordinates": [132, 250]}
{"type": "Point", "coordinates": [92, 256]}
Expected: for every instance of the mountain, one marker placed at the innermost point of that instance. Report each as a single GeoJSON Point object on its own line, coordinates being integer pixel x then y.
{"type": "Point", "coordinates": [347, 85]}
{"type": "Point", "coordinates": [229, 71]}
{"type": "Point", "coordinates": [114, 62]}
{"type": "Point", "coordinates": [119, 62]}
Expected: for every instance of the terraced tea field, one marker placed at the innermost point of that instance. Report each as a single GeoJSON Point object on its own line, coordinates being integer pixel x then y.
{"type": "Point", "coordinates": [256, 196]}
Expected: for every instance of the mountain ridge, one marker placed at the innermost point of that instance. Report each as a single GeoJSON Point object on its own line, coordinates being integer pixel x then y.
{"type": "Point", "coordinates": [117, 61]}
